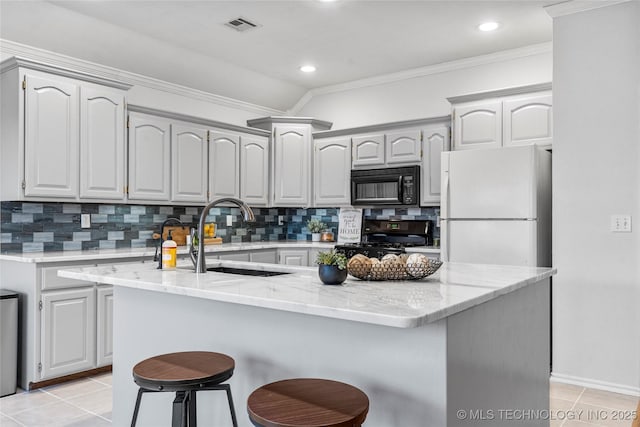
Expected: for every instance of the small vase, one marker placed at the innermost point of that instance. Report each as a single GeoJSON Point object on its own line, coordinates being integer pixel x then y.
{"type": "Point", "coordinates": [331, 275]}
{"type": "Point", "coordinates": [315, 237]}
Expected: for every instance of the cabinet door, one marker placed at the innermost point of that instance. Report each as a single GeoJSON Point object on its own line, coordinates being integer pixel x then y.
{"type": "Point", "coordinates": [236, 256]}
{"type": "Point", "coordinates": [104, 319]}
{"type": "Point", "coordinates": [149, 158]}
{"type": "Point", "coordinates": [313, 256]}
{"type": "Point", "coordinates": [189, 164]}
{"type": "Point", "coordinates": [368, 150]}
{"type": "Point", "coordinates": [224, 165]}
{"type": "Point", "coordinates": [51, 137]}
{"type": "Point", "coordinates": [332, 172]}
{"type": "Point", "coordinates": [292, 162]}
{"type": "Point", "coordinates": [68, 332]}
{"type": "Point", "coordinates": [254, 170]}
{"type": "Point", "coordinates": [403, 147]}
{"type": "Point", "coordinates": [102, 148]}
{"type": "Point", "coordinates": [268, 256]}
{"type": "Point", "coordinates": [294, 257]}
{"type": "Point", "coordinates": [528, 120]}
{"type": "Point", "coordinates": [435, 141]}
{"type": "Point", "coordinates": [478, 125]}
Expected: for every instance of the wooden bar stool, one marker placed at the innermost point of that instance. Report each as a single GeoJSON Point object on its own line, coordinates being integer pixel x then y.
{"type": "Point", "coordinates": [185, 374]}
{"type": "Point", "coordinates": [307, 402]}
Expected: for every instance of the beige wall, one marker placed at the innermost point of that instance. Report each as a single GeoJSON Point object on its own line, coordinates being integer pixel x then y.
{"type": "Point", "coordinates": [596, 154]}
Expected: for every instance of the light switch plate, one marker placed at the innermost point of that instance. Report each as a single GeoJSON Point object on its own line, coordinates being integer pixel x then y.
{"type": "Point", "coordinates": [85, 220]}
{"type": "Point", "coordinates": [229, 221]}
{"type": "Point", "coordinates": [621, 223]}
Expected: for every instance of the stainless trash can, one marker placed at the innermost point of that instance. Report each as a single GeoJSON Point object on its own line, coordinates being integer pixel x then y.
{"type": "Point", "coordinates": [8, 342]}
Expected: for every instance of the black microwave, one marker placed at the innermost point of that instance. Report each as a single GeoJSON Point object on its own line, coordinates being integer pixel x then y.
{"type": "Point", "coordinates": [391, 186]}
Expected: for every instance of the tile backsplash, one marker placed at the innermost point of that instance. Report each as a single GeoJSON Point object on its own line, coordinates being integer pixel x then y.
{"type": "Point", "coordinates": [45, 227]}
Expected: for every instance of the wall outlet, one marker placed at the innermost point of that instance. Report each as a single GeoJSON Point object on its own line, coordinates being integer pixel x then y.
{"type": "Point", "coordinates": [280, 220]}
{"type": "Point", "coordinates": [85, 220]}
{"type": "Point", "coordinates": [621, 223]}
{"type": "Point", "coordinates": [229, 221]}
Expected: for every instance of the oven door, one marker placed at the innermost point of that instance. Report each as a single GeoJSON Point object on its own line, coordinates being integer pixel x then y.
{"type": "Point", "coordinates": [375, 187]}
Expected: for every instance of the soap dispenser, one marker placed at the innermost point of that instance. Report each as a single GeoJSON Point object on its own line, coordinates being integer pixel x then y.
{"type": "Point", "coordinates": [169, 252]}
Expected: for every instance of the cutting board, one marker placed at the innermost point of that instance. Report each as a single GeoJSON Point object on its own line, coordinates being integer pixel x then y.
{"type": "Point", "coordinates": [213, 241]}
{"type": "Point", "coordinates": [178, 234]}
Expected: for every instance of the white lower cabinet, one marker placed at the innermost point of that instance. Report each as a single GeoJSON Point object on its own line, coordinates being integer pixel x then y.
{"type": "Point", "coordinates": [235, 256]}
{"type": "Point", "coordinates": [104, 326]}
{"type": "Point", "coordinates": [313, 255]}
{"type": "Point", "coordinates": [298, 257]}
{"type": "Point", "coordinates": [269, 256]}
{"type": "Point", "coordinates": [68, 331]}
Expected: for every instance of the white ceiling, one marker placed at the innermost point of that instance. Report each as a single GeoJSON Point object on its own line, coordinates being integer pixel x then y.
{"type": "Point", "coordinates": [186, 42]}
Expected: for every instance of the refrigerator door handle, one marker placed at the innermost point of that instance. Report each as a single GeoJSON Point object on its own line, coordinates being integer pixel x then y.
{"type": "Point", "coordinates": [444, 240]}
{"type": "Point", "coordinates": [444, 187]}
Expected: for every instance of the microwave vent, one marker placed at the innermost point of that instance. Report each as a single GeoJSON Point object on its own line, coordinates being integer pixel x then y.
{"type": "Point", "coordinates": [241, 24]}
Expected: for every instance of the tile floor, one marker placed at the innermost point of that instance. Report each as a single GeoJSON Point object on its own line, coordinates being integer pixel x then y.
{"type": "Point", "coordinates": [81, 403]}
{"type": "Point", "coordinates": [87, 403]}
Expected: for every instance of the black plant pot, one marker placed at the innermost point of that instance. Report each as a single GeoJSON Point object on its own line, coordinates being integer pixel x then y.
{"type": "Point", "coordinates": [330, 275]}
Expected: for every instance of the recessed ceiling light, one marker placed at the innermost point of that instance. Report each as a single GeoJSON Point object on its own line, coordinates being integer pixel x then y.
{"type": "Point", "coordinates": [307, 68]}
{"type": "Point", "coordinates": [488, 26]}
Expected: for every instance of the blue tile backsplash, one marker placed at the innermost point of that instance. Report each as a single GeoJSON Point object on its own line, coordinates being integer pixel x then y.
{"type": "Point", "coordinates": [46, 227]}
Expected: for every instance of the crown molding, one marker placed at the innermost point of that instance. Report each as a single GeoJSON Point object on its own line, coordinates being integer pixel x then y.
{"type": "Point", "coordinates": [570, 7]}
{"type": "Point", "coordinates": [475, 61]}
{"type": "Point", "coordinates": [499, 93]}
{"type": "Point", "coordinates": [405, 124]}
{"type": "Point", "coordinates": [267, 122]}
{"type": "Point", "coordinates": [197, 120]}
{"type": "Point", "coordinates": [54, 59]}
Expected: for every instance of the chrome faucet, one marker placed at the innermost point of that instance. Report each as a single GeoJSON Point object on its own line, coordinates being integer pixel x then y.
{"type": "Point", "coordinates": [199, 260]}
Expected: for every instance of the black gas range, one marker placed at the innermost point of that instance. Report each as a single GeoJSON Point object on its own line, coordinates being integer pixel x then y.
{"type": "Point", "coordinates": [382, 237]}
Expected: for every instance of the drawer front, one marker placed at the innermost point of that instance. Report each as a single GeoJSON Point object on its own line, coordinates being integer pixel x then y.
{"type": "Point", "coordinates": [51, 280]}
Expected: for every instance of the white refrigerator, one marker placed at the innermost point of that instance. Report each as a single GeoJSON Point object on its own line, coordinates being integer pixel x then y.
{"type": "Point", "coordinates": [496, 206]}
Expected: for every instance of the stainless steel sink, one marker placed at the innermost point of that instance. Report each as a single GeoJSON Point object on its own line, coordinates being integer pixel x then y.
{"type": "Point", "coordinates": [246, 271]}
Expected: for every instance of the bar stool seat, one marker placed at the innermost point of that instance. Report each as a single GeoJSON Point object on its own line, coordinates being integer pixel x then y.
{"type": "Point", "coordinates": [307, 402]}
{"type": "Point", "coordinates": [184, 373]}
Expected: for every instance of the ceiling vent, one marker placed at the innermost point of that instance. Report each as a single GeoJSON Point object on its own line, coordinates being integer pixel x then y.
{"type": "Point", "coordinates": [241, 24]}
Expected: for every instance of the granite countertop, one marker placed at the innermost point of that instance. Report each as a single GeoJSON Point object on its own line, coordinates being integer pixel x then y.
{"type": "Point", "coordinates": [105, 254]}
{"type": "Point", "coordinates": [403, 304]}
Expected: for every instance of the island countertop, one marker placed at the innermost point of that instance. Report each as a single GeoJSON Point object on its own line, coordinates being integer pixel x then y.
{"type": "Point", "coordinates": [404, 304]}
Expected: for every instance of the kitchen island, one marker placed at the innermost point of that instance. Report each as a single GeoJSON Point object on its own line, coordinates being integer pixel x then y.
{"type": "Point", "coordinates": [460, 348]}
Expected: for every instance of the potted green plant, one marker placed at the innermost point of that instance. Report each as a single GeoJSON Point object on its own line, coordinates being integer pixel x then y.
{"type": "Point", "coordinates": [315, 226]}
{"type": "Point", "coordinates": [332, 267]}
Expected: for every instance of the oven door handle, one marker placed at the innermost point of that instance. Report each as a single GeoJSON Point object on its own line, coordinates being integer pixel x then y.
{"type": "Point", "coordinates": [400, 189]}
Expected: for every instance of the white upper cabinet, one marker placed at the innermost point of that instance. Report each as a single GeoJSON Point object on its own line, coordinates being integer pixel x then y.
{"type": "Point", "coordinates": [291, 158]}
{"type": "Point", "coordinates": [504, 118]}
{"type": "Point", "coordinates": [51, 137]}
{"type": "Point", "coordinates": [478, 125]}
{"type": "Point", "coordinates": [332, 172]}
{"type": "Point", "coordinates": [254, 167]}
{"type": "Point", "coordinates": [224, 165]}
{"type": "Point", "coordinates": [292, 150]}
{"type": "Point", "coordinates": [149, 158]}
{"type": "Point", "coordinates": [102, 143]}
{"type": "Point", "coordinates": [189, 164]}
{"type": "Point", "coordinates": [435, 141]}
{"type": "Point", "coordinates": [62, 134]}
{"type": "Point", "coordinates": [403, 147]}
{"type": "Point", "coordinates": [368, 150]}
{"type": "Point", "coordinates": [528, 120]}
